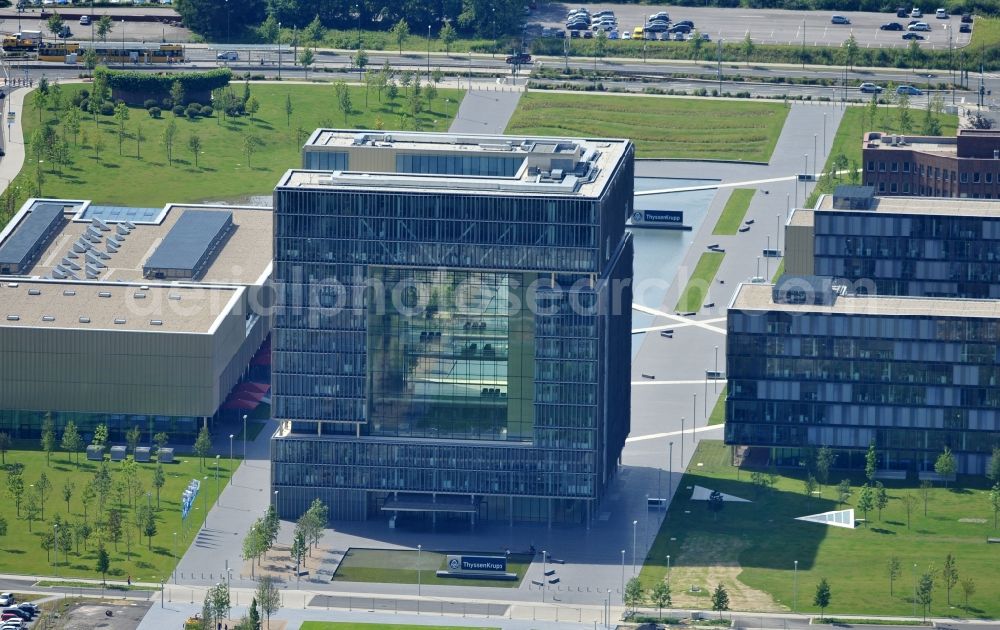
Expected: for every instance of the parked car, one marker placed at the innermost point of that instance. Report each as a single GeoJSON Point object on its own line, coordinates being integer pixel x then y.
{"type": "Point", "coordinates": [519, 58]}
{"type": "Point", "coordinates": [637, 32]}
{"type": "Point", "coordinates": [662, 15]}
{"type": "Point", "coordinates": [84, 20]}
{"type": "Point", "coordinates": [902, 12]}
{"type": "Point", "coordinates": [892, 26]}
{"type": "Point", "coordinates": [577, 26]}
{"type": "Point", "coordinates": [7, 599]}
{"type": "Point", "coordinates": [626, 35]}
{"type": "Point", "coordinates": [680, 28]}
{"type": "Point", "coordinates": [912, 36]}
{"type": "Point", "coordinates": [919, 26]}
{"type": "Point", "coordinates": [613, 35]}
{"type": "Point", "coordinates": [941, 14]}
{"type": "Point", "coordinates": [656, 27]}
{"type": "Point", "coordinates": [65, 33]}
{"type": "Point", "coordinates": [30, 608]}
{"type": "Point", "coordinates": [839, 19]}
{"type": "Point", "coordinates": [14, 610]}
{"type": "Point", "coordinates": [678, 37]}
{"type": "Point", "coordinates": [916, 13]}
{"type": "Point", "coordinates": [684, 23]}
{"type": "Point", "coordinates": [574, 34]}
{"type": "Point", "coordinates": [870, 88]}
{"type": "Point", "coordinates": [909, 90]}
{"type": "Point", "coordinates": [965, 28]}
{"type": "Point", "coordinates": [228, 55]}
{"type": "Point", "coordinates": [967, 18]}
{"type": "Point", "coordinates": [588, 34]}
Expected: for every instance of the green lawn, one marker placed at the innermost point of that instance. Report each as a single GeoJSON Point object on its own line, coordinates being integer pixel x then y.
{"type": "Point", "coordinates": [222, 171]}
{"type": "Point", "coordinates": [694, 294]}
{"type": "Point", "coordinates": [399, 566]}
{"type": "Point", "coordinates": [718, 415]}
{"type": "Point", "coordinates": [758, 543]}
{"type": "Point", "coordinates": [736, 208]}
{"type": "Point", "coordinates": [985, 33]}
{"type": "Point", "coordinates": [660, 127]}
{"type": "Point", "coordinates": [21, 551]}
{"type": "Point", "coordinates": [347, 625]}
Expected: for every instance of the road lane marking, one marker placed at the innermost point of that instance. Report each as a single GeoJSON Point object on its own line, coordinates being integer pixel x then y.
{"type": "Point", "coordinates": [656, 436]}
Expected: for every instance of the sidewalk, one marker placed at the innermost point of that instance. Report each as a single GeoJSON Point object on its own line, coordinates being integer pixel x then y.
{"type": "Point", "coordinates": [13, 141]}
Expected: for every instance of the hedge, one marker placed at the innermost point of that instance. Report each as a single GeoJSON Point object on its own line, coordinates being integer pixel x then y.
{"type": "Point", "coordinates": [154, 83]}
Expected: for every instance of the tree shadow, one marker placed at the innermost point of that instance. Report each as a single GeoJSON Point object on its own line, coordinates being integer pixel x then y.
{"type": "Point", "coordinates": [896, 523]}
{"type": "Point", "coordinates": [879, 530]}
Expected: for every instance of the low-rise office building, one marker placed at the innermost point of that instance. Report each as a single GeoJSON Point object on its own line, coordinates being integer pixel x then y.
{"type": "Point", "coordinates": [129, 316]}
{"type": "Point", "coordinates": [966, 165]}
{"type": "Point", "coordinates": [452, 326]}
{"type": "Point", "coordinates": [810, 366]}
{"type": "Point", "coordinates": [933, 247]}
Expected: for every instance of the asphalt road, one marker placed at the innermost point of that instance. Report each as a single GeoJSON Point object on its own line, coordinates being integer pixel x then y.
{"type": "Point", "coordinates": [771, 26]}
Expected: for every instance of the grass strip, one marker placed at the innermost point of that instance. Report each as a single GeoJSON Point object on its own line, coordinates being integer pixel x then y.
{"type": "Point", "coordinates": [718, 415]}
{"type": "Point", "coordinates": [701, 279]}
{"type": "Point", "coordinates": [736, 208]}
{"type": "Point", "coordinates": [349, 625]}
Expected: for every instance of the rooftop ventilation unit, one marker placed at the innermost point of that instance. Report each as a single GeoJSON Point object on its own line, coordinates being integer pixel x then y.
{"type": "Point", "coordinates": [84, 320]}
{"type": "Point", "coordinates": [69, 292]}
{"type": "Point", "coordinates": [112, 248]}
{"type": "Point", "coordinates": [114, 238]}
{"type": "Point", "coordinates": [12, 318]}
{"type": "Point", "coordinates": [101, 225]}
{"type": "Point", "coordinates": [72, 254]}
{"type": "Point", "coordinates": [121, 229]}
{"type": "Point", "coordinates": [48, 318]}
{"type": "Point", "coordinates": [34, 292]}
{"type": "Point", "coordinates": [69, 264]}
{"type": "Point", "coordinates": [129, 225]}
{"type": "Point", "coordinates": [104, 294]}
{"type": "Point", "coordinates": [92, 274]}
{"type": "Point", "coordinates": [78, 248]}
{"type": "Point", "coordinates": [58, 275]}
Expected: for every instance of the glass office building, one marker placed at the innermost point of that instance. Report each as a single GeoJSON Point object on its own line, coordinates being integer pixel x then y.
{"type": "Point", "coordinates": [810, 367]}
{"type": "Point", "coordinates": [900, 245]}
{"type": "Point", "coordinates": [450, 314]}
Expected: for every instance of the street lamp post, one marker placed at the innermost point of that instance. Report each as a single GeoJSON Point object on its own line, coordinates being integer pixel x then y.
{"type": "Point", "coordinates": [279, 50]}
{"type": "Point", "coordinates": [123, 42]}
{"type": "Point", "coordinates": [634, 524]}
{"type": "Point", "coordinates": [714, 378]}
{"type": "Point", "coordinates": [419, 569]}
{"type": "Point", "coordinates": [244, 437]}
{"type": "Point", "coordinates": [494, 33]}
{"type": "Point", "coordinates": [544, 577]}
{"type": "Point", "coordinates": [815, 163]}
{"type": "Point", "coordinates": [670, 474]}
{"type": "Point", "coordinates": [204, 500]}
{"type": "Point", "coordinates": [55, 545]}
{"type": "Point", "coordinates": [682, 433]}
{"type": "Point", "coordinates": [217, 477]}
{"type": "Point", "coordinates": [623, 576]}
{"type": "Point", "coordinates": [668, 567]}
{"type": "Point", "coordinates": [231, 436]}
{"type": "Point", "coordinates": [428, 53]}
{"type": "Point", "coordinates": [824, 133]}
{"type": "Point", "coordinates": [175, 557]}
{"type": "Point", "coordinates": [795, 588]}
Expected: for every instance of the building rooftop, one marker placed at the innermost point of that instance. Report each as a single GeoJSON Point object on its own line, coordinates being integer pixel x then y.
{"type": "Point", "coordinates": [759, 297]}
{"type": "Point", "coordinates": [551, 166]}
{"type": "Point", "coordinates": [938, 145]}
{"type": "Point", "coordinates": [113, 305]}
{"type": "Point", "coordinates": [117, 242]}
{"type": "Point", "coordinates": [802, 217]}
{"type": "Point", "coordinates": [950, 206]}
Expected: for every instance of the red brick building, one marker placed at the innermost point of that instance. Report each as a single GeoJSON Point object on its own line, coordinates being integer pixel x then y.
{"type": "Point", "coordinates": [967, 165]}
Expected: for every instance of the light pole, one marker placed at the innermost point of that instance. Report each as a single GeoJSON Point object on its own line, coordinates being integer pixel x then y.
{"type": "Point", "coordinates": [204, 500]}
{"type": "Point", "coordinates": [175, 557]}
{"type": "Point", "coordinates": [634, 525]}
{"type": "Point", "coordinates": [419, 569]}
{"type": "Point", "coordinates": [217, 497]}
{"type": "Point", "coordinates": [428, 53]}
{"type": "Point", "coordinates": [668, 567]}
{"type": "Point", "coordinates": [623, 577]}
{"type": "Point", "coordinates": [715, 377]}
{"type": "Point", "coordinates": [815, 163]}
{"type": "Point", "coordinates": [231, 436]}
{"type": "Point", "coordinates": [682, 432]}
{"type": "Point", "coordinates": [279, 50]}
{"type": "Point", "coordinates": [795, 588]}
{"type": "Point", "coordinates": [914, 589]}
{"type": "Point", "coordinates": [244, 437]}
{"type": "Point", "coordinates": [55, 545]}
{"type": "Point", "coordinates": [777, 232]}
{"type": "Point", "coordinates": [670, 475]}
{"type": "Point", "coordinates": [227, 23]}
{"type": "Point", "coordinates": [824, 133]}
{"type": "Point", "coordinates": [494, 9]}
{"type": "Point", "coordinates": [123, 42]}
{"type": "Point", "coordinates": [544, 577]}
{"type": "Point", "coordinates": [275, 500]}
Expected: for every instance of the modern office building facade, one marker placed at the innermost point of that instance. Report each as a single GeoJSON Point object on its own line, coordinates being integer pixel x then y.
{"type": "Point", "coordinates": [899, 246]}
{"type": "Point", "coordinates": [452, 326]}
{"type": "Point", "coordinates": [967, 165]}
{"type": "Point", "coordinates": [90, 332]}
{"type": "Point", "coordinates": [809, 367]}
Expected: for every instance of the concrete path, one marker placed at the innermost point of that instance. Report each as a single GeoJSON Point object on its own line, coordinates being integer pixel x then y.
{"type": "Point", "coordinates": [13, 139]}
{"type": "Point", "coordinates": [486, 112]}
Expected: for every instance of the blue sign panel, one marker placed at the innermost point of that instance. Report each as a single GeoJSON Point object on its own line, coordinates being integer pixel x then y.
{"type": "Point", "coordinates": [484, 563]}
{"type": "Point", "coordinates": [663, 216]}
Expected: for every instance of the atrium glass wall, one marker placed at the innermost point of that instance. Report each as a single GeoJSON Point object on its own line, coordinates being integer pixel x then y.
{"type": "Point", "coordinates": [913, 385]}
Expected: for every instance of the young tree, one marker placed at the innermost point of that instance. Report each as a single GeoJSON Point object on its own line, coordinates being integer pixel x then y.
{"type": "Point", "coordinates": [824, 461]}
{"type": "Point", "coordinates": [104, 27]}
{"type": "Point", "coordinates": [221, 600]}
{"type": "Point", "coordinates": [67, 493]}
{"type": "Point", "coordinates": [87, 496]}
{"type": "Point", "coordinates": [448, 35]}
{"type": "Point", "coordinates": [32, 507]}
{"type": "Point", "coordinates": [905, 123]}
{"type": "Point", "coordinates": [252, 106]}
{"type": "Point", "coordinates": [633, 595]}
{"type": "Point", "coordinates": [314, 32]}
{"type": "Point", "coordinates": [851, 51]}
{"type": "Point", "coordinates": [968, 589]}
{"type": "Point", "coordinates": [3, 526]}
{"type": "Point", "coordinates": [895, 571]}
{"type": "Point", "coordinates": [132, 437]}
{"type": "Point", "coordinates": [121, 115]}
{"type": "Point", "coordinates": [949, 573]}
{"type": "Point", "coordinates": [43, 486]}
{"type": "Point", "coordinates": [254, 615]}
{"type": "Point", "coordinates": [319, 516]}
{"type": "Point", "coordinates": [103, 562]}
{"type": "Point", "coordinates": [909, 502]}
{"type": "Point", "coordinates": [866, 500]}
{"type": "Point", "coordinates": [98, 144]}
{"type": "Point", "coordinates": [253, 543]}
{"type": "Point", "coordinates": [114, 526]}
{"type": "Point", "coordinates": [925, 493]}
{"type": "Point", "coordinates": [203, 445]}
{"type": "Point", "coordinates": [15, 485]}
{"type": "Point", "coordinates": [194, 145]}
{"type": "Point", "coordinates": [250, 145]}
{"type": "Point", "coordinates": [139, 138]}
{"type": "Point", "coordinates": [809, 485]}
{"type": "Point", "coordinates": [995, 502]}
{"type": "Point", "coordinates": [100, 436]}
{"type": "Point", "coordinates": [48, 437]}
{"type": "Point", "coordinates": [5, 443]}
{"type": "Point", "coordinates": [71, 442]}
{"type": "Point", "coordinates": [747, 48]}
{"type": "Point", "coordinates": [307, 58]}
{"type": "Point", "coordinates": [288, 110]}
{"type": "Point", "coordinates": [71, 122]}
{"type": "Point", "coordinates": [159, 480]}
{"type": "Point", "coordinates": [822, 598]}
{"type": "Point", "coordinates": [925, 592]}
{"type": "Point", "coordinates": [945, 465]}
{"type": "Point", "coordinates": [360, 60]}
{"type": "Point", "coordinates": [298, 548]}
{"type": "Point", "coordinates": [268, 597]}
{"type": "Point", "coordinates": [90, 59]}
{"type": "Point", "coordinates": [660, 596]}
{"type": "Point", "coordinates": [844, 491]}
{"type": "Point", "coordinates": [343, 95]}
{"type": "Point", "coordinates": [177, 93]}
{"type": "Point", "coordinates": [871, 461]}
{"type": "Point", "coordinates": [881, 498]}
{"type": "Point", "coordinates": [161, 439]}
{"type": "Point", "coordinates": [993, 468]}
{"type": "Point", "coordinates": [399, 32]}
{"type": "Point", "coordinates": [720, 599]}
{"type": "Point", "coordinates": [55, 24]}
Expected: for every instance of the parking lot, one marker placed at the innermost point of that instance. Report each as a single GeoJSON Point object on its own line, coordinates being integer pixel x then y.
{"type": "Point", "coordinates": [773, 26]}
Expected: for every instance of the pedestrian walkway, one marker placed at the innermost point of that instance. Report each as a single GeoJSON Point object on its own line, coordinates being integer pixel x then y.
{"type": "Point", "coordinates": [13, 140]}
{"type": "Point", "coordinates": [485, 112]}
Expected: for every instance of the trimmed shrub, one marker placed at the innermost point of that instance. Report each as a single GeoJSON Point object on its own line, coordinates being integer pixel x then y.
{"type": "Point", "coordinates": [207, 111]}
{"type": "Point", "coordinates": [154, 112]}
{"type": "Point", "coordinates": [193, 110]}
{"type": "Point", "coordinates": [107, 109]}
{"type": "Point", "coordinates": [150, 102]}
{"type": "Point", "coordinates": [85, 104]}
{"type": "Point", "coordinates": [178, 110]}
{"type": "Point", "coordinates": [166, 103]}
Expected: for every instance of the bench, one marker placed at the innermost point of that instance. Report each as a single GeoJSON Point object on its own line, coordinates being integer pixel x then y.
{"type": "Point", "coordinates": [992, 540]}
